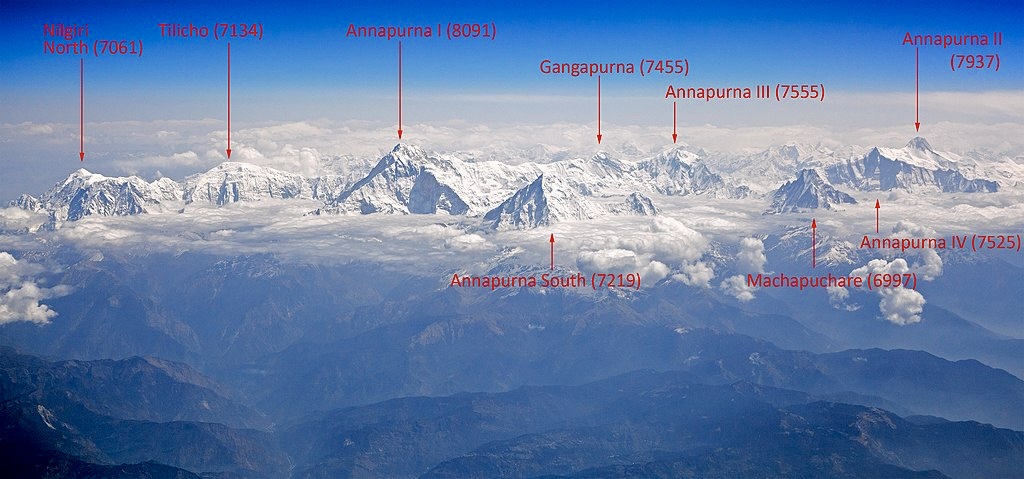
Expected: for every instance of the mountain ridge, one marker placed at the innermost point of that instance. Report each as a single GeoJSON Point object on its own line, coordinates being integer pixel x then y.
{"type": "Point", "coordinates": [410, 180]}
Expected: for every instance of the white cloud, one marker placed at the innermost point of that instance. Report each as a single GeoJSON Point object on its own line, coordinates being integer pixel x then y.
{"type": "Point", "coordinates": [30, 129]}
{"type": "Point", "coordinates": [653, 247]}
{"type": "Point", "coordinates": [749, 260]}
{"type": "Point", "coordinates": [20, 296]}
{"type": "Point", "coordinates": [21, 303]}
{"type": "Point", "coordinates": [899, 305]}
{"type": "Point", "coordinates": [672, 240]}
{"type": "Point", "coordinates": [17, 220]}
{"type": "Point", "coordinates": [736, 286]}
{"type": "Point", "coordinates": [133, 165]}
{"type": "Point", "coordinates": [929, 263]}
{"type": "Point", "coordinates": [467, 242]}
{"type": "Point", "coordinates": [622, 261]}
{"type": "Point", "coordinates": [908, 229]}
{"type": "Point", "coordinates": [929, 266]}
{"type": "Point", "coordinates": [180, 147]}
{"type": "Point", "coordinates": [697, 274]}
{"type": "Point", "coordinates": [751, 257]}
{"type": "Point", "coordinates": [837, 298]}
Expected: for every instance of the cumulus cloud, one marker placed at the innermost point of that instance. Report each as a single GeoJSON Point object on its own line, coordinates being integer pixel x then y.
{"type": "Point", "coordinates": [20, 296]}
{"type": "Point", "coordinates": [736, 286]}
{"type": "Point", "coordinates": [696, 274]}
{"type": "Point", "coordinates": [898, 305]}
{"type": "Point", "coordinates": [901, 306]}
{"type": "Point", "coordinates": [670, 239]}
{"type": "Point", "coordinates": [622, 261]}
{"type": "Point", "coordinates": [928, 264]}
{"type": "Point", "coordinates": [655, 248]}
{"type": "Point", "coordinates": [749, 260]}
{"type": "Point", "coordinates": [837, 298]}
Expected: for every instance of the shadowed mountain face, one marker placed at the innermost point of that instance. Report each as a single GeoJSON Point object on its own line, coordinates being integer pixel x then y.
{"type": "Point", "coordinates": [406, 180]}
{"type": "Point", "coordinates": [807, 191]}
{"type": "Point", "coordinates": [915, 166]}
{"type": "Point", "coordinates": [726, 415]}
{"type": "Point", "coordinates": [639, 422]}
{"type": "Point", "coordinates": [267, 330]}
{"type": "Point", "coordinates": [169, 330]}
{"type": "Point", "coordinates": [134, 388]}
{"type": "Point", "coordinates": [138, 417]}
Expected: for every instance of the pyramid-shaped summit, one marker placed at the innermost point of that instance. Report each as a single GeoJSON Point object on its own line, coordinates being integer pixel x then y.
{"type": "Point", "coordinates": [387, 187]}
{"type": "Point", "coordinates": [545, 200]}
{"type": "Point", "coordinates": [807, 191]}
{"type": "Point", "coordinates": [526, 208]}
{"type": "Point", "coordinates": [919, 143]}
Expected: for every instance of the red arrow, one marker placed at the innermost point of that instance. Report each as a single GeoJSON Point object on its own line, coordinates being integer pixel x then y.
{"type": "Point", "coordinates": [599, 109]}
{"type": "Point", "coordinates": [877, 206]}
{"type": "Point", "coordinates": [814, 245]}
{"type": "Point", "coordinates": [552, 240]}
{"type": "Point", "coordinates": [399, 90]}
{"type": "Point", "coordinates": [81, 109]}
{"type": "Point", "coordinates": [674, 135]}
{"type": "Point", "coordinates": [228, 150]}
{"type": "Point", "coordinates": [917, 89]}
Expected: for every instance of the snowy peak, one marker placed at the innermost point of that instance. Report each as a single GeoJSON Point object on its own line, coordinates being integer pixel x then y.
{"type": "Point", "coordinates": [600, 172]}
{"type": "Point", "coordinates": [526, 208]}
{"type": "Point", "coordinates": [637, 204]}
{"type": "Point", "coordinates": [544, 201]}
{"type": "Point", "coordinates": [456, 186]}
{"type": "Point", "coordinates": [807, 191]}
{"type": "Point", "coordinates": [795, 242]}
{"type": "Point", "coordinates": [920, 144]}
{"type": "Point", "coordinates": [672, 171]}
{"type": "Point", "coordinates": [409, 180]}
{"type": "Point", "coordinates": [403, 159]}
{"type": "Point", "coordinates": [791, 152]}
{"type": "Point", "coordinates": [388, 187]}
{"type": "Point", "coordinates": [231, 182]}
{"type": "Point", "coordinates": [915, 167]}
{"type": "Point", "coordinates": [85, 194]}
{"type": "Point", "coordinates": [682, 172]}
{"type": "Point", "coordinates": [27, 202]}
{"type": "Point", "coordinates": [766, 170]}
{"type": "Point", "coordinates": [168, 188]}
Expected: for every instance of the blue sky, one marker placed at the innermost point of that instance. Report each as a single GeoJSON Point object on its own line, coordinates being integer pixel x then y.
{"type": "Point", "coordinates": [306, 70]}
{"type": "Point", "coordinates": [846, 45]}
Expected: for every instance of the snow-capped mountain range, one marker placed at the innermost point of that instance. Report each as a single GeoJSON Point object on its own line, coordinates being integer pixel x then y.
{"type": "Point", "coordinates": [915, 166]}
{"type": "Point", "coordinates": [231, 182]}
{"type": "Point", "coordinates": [83, 194]}
{"type": "Point", "coordinates": [409, 180]}
{"type": "Point", "coordinates": [807, 191]}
